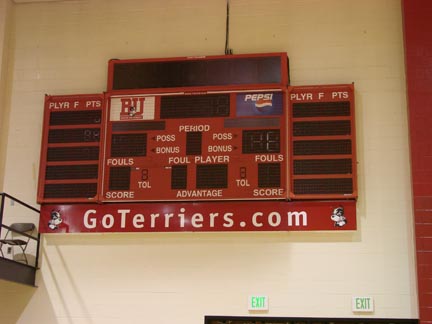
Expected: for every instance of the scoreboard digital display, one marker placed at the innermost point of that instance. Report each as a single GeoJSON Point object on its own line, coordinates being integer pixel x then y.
{"type": "Point", "coordinates": [199, 72]}
{"type": "Point", "coordinates": [205, 146]}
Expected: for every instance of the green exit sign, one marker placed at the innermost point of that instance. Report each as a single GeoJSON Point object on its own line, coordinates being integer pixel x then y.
{"type": "Point", "coordinates": [258, 303]}
{"type": "Point", "coordinates": [362, 304]}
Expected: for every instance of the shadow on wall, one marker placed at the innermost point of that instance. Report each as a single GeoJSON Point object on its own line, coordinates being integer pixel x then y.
{"type": "Point", "coordinates": [126, 239]}
{"type": "Point", "coordinates": [22, 304]}
{"type": "Point", "coordinates": [14, 299]}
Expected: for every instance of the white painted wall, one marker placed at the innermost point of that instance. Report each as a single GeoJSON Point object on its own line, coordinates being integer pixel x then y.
{"type": "Point", "coordinates": [63, 48]}
{"type": "Point", "coordinates": [5, 9]}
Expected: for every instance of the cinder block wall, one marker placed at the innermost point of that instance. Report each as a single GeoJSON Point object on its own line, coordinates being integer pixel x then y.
{"type": "Point", "coordinates": [5, 9]}
{"type": "Point", "coordinates": [63, 48]}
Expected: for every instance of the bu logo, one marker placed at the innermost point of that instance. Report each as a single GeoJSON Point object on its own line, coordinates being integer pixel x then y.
{"type": "Point", "coordinates": [132, 108]}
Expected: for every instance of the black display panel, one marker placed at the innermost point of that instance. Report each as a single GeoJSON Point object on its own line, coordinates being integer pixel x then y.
{"type": "Point", "coordinates": [212, 176]}
{"type": "Point", "coordinates": [321, 109]}
{"type": "Point", "coordinates": [179, 177]}
{"type": "Point", "coordinates": [119, 178]}
{"type": "Point", "coordinates": [129, 145]}
{"type": "Point", "coordinates": [138, 126]}
{"type": "Point", "coordinates": [84, 153]}
{"type": "Point", "coordinates": [322, 128]}
{"type": "Point", "coordinates": [323, 166]}
{"type": "Point", "coordinates": [193, 143]}
{"type": "Point", "coordinates": [70, 190]}
{"type": "Point", "coordinates": [195, 106]}
{"type": "Point", "coordinates": [261, 141]}
{"type": "Point", "coordinates": [221, 71]}
{"type": "Point", "coordinates": [269, 175]}
{"type": "Point", "coordinates": [324, 147]}
{"type": "Point", "coordinates": [323, 186]}
{"type": "Point", "coordinates": [75, 117]}
{"type": "Point", "coordinates": [60, 172]}
{"type": "Point", "coordinates": [77, 135]}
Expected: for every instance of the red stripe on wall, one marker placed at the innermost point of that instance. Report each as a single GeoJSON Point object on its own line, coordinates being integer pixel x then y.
{"type": "Point", "coordinates": [418, 59]}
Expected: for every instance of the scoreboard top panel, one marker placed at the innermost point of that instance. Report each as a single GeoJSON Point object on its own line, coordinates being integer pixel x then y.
{"type": "Point", "coordinates": [205, 72]}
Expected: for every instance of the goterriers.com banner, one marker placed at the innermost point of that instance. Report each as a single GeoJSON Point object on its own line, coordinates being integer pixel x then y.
{"type": "Point", "coordinates": [199, 217]}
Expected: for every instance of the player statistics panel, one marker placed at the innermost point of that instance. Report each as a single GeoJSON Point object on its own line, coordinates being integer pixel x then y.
{"type": "Point", "coordinates": [71, 148]}
{"type": "Point", "coordinates": [203, 146]}
{"type": "Point", "coordinates": [323, 162]}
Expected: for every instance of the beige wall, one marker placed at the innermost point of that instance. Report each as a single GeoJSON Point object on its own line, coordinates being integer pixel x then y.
{"type": "Point", "coordinates": [63, 48]}
{"type": "Point", "coordinates": [5, 12]}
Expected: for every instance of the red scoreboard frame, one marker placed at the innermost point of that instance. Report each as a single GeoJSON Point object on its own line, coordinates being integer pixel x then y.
{"type": "Point", "coordinates": [200, 129]}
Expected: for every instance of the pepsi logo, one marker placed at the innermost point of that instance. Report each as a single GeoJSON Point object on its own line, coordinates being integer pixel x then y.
{"type": "Point", "coordinates": [261, 100]}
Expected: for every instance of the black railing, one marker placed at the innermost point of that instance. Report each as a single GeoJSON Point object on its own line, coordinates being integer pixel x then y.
{"type": "Point", "coordinates": [5, 196]}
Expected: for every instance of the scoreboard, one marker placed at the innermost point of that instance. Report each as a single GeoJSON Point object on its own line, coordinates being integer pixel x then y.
{"type": "Point", "coordinates": [199, 129]}
{"type": "Point", "coordinates": [218, 145]}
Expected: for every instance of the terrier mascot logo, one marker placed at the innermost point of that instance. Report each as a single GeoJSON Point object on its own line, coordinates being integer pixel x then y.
{"type": "Point", "coordinates": [55, 220]}
{"type": "Point", "coordinates": [338, 217]}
